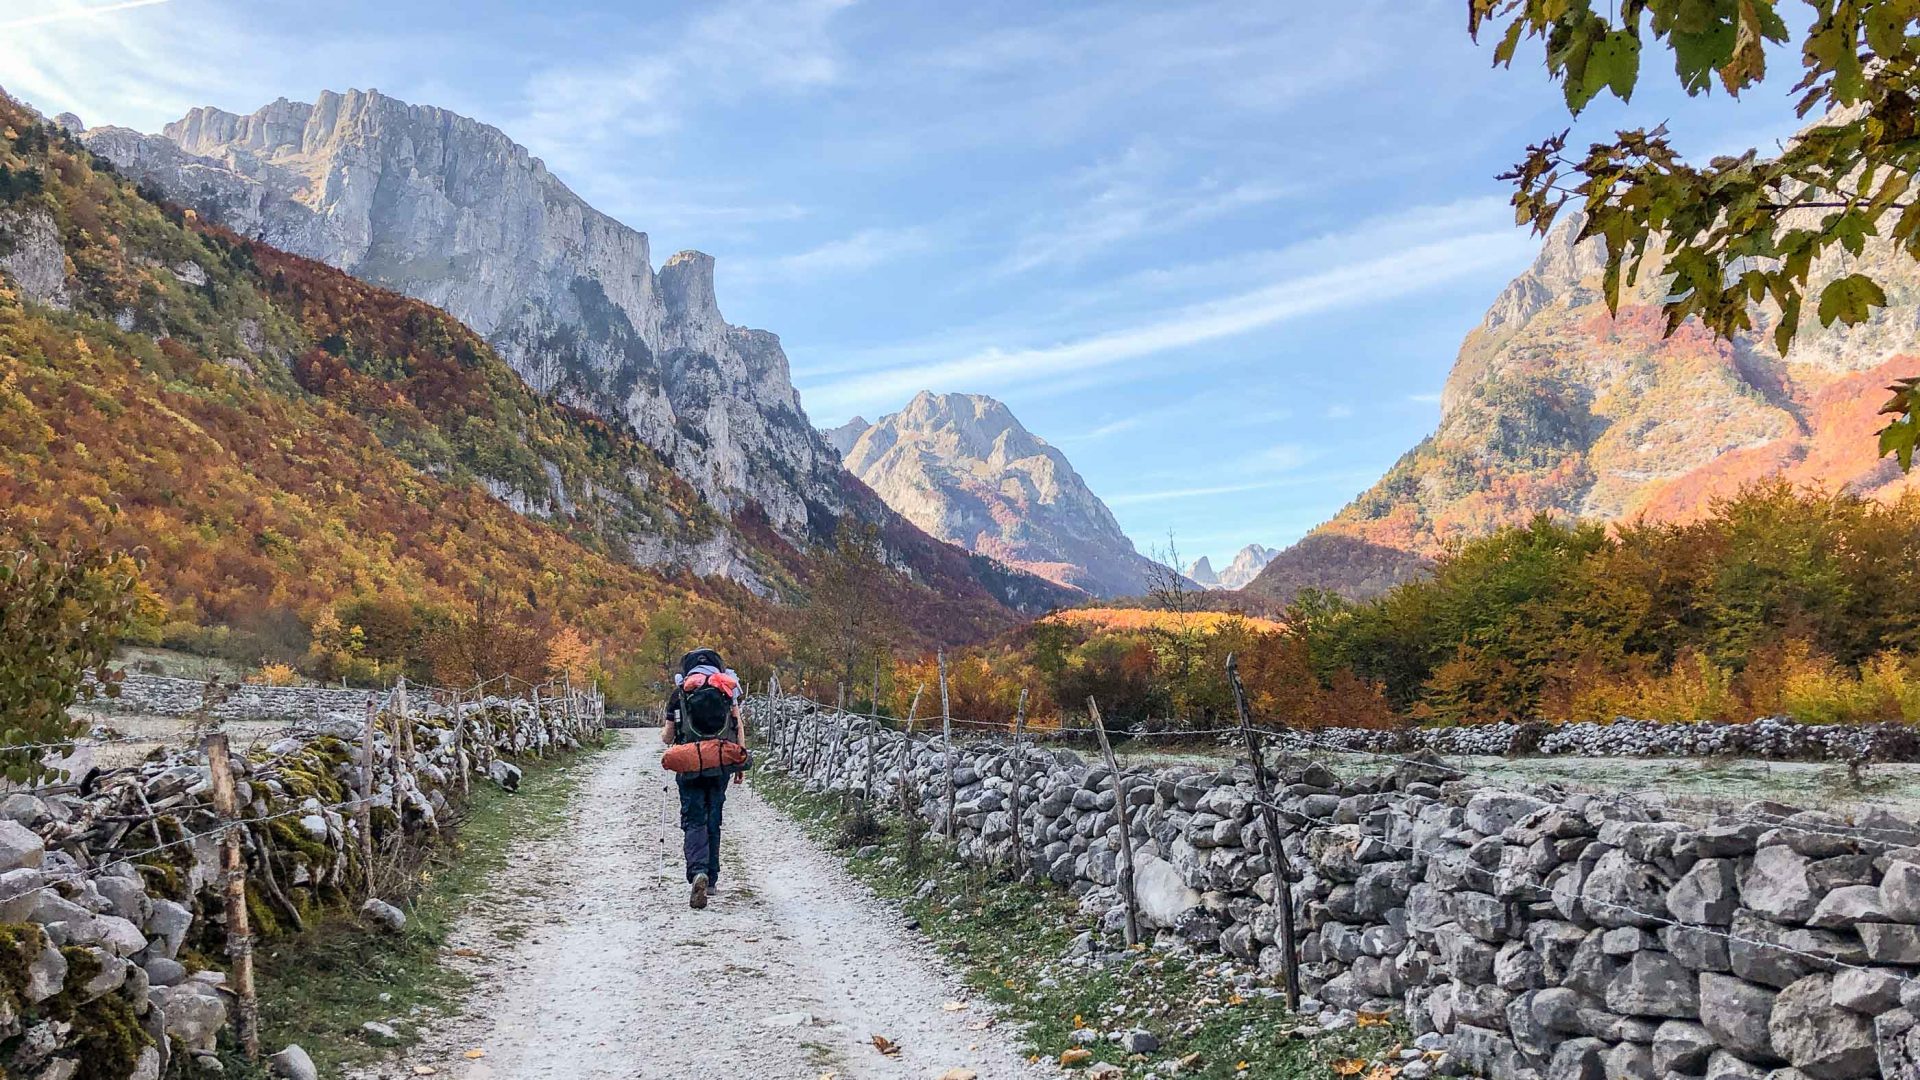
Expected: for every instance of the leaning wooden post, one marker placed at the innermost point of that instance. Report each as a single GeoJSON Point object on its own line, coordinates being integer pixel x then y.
{"type": "Point", "coordinates": [226, 803]}
{"type": "Point", "coordinates": [539, 725]}
{"type": "Point", "coordinates": [403, 740]}
{"type": "Point", "coordinates": [460, 760]}
{"type": "Point", "coordinates": [1126, 826]}
{"type": "Point", "coordinates": [946, 737]}
{"type": "Point", "coordinates": [363, 812]}
{"type": "Point", "coordinates": [906, 751]}
{"type": "Point", "coordinates": [866, 789]}
{"type": "Point", "coordinates": [1019, 769]}
{"type": "Point", "coordinates": [1270, 826]}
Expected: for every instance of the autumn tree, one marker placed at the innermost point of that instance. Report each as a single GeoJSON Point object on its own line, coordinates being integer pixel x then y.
{"type": "Point", "coordinates": [1740, 229]}
{"type": "Point", "coordinates": [489, 643]}
{"type": "Point", "coordinates": [570, 654]}
{"type": "Point", "coordinates": [846, 626]}
{"type": "Point", "coordinates": [60, 614]}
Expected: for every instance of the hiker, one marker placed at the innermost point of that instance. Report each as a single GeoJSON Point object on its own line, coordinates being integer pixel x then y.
{"type": "Point", "coordinates": [708, 738]}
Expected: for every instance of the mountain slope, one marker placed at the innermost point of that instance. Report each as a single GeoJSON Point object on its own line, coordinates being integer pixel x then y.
{"type": "Point", "coordinates": [963, 468]}
{"type": "Point", "coordinates": [279, 435]}
{"type": "Point", "coordinates": [452, 211]}
{"type": "Point", "coordinates": [1555, 406]}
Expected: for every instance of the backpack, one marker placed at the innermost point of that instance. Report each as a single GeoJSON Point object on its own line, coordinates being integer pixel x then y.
{"type": "Point", "coordinates": [706, 705]}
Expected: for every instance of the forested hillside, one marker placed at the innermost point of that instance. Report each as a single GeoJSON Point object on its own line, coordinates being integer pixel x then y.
{"type": "Point", "coordinates": [288, 444]}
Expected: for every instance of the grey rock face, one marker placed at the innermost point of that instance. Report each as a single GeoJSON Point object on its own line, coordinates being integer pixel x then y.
{"type": "Point", "coordinates": [964, 469]}
{"type": "Point", "coordinates": [1736, 1013]}
{"type": "Point", "coordinates": [32, 257]}
{"type": "Point", "coordinates": [1819, 1038]}
{"type": "Point", "coordinates": [453, 212]}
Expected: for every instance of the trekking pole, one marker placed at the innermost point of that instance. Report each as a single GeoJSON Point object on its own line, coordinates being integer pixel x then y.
{"type": "Point", "coordinates": [1270, 826]}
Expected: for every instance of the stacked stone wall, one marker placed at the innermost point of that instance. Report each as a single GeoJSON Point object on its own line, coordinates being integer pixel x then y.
{"type": "Point", "coordinates": [112, 921]}
{"type": "Point", "coordinates": [1527, 933]}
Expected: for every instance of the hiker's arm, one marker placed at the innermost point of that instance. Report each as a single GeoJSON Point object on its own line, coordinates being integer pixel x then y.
{"type": "Point", "coordinates": [740, 718]}
{"type": "Point", "coordinates": [666, 728]}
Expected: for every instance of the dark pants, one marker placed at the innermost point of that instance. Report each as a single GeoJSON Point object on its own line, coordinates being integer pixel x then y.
{"type": "Point", "coordinates": [701, 800]}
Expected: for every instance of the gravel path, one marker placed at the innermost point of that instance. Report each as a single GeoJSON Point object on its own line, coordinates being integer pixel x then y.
{"type": "Point", "coordinates": [787, 974]}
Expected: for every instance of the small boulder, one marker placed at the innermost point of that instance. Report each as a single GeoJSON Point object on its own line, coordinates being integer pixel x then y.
{"type": "Point", "coordinates": [384, 914]}
{"type": "Point", "coordinates": [293, 1063]}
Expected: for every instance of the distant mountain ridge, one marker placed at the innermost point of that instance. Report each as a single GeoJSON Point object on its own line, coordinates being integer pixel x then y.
{"type": "Point", "coordinates": [963, 468]}
{"type": "Point", "coordinates": [1555, 406]}
{"type": "Point", "coordinates": [1246, 565]}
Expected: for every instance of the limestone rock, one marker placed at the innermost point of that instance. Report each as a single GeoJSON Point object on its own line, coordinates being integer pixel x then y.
{"type": "Point", "coordinates": [1737, 1014]}
{"type": "Point", "coordinates": [1817, 1037]}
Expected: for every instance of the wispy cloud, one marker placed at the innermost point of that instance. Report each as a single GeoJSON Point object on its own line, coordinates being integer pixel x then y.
{"type": "Point", "coordinates": [1137, 497]}
{"type": "Point", "coordinates": [1371, 279]}
{"type": "Point", "coordinates": [1126, 200]}
{"type": "Point", "coordinates": [861, 251]}
{"type": "Point", "coordinates": [73, 13]}
{"type": "Point", "coordinates": [735, 50]}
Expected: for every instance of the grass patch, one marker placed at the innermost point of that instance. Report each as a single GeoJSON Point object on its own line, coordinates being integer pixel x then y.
{"type": "Point", "coordinates": [316, 988]}
{"type": "Point", "coordinates": [1010, 941]}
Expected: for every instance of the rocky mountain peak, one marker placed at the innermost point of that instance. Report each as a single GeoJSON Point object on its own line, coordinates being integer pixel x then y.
{"type": "Point", "coordinates": [963, 467]}
{"type": "Point", "coordinates": [843, 437]}
{"type": "Point", "coordinates": [1200, 572]}
{"type": "Point", "coordinates": [454, 212]}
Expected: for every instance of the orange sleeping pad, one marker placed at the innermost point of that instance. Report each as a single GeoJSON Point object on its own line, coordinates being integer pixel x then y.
{"type": "Point", "coordinates": [706, 754]}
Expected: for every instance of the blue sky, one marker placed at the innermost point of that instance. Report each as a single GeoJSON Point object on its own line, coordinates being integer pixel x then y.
{"type": "Point", "coordinates": [1221, 253]}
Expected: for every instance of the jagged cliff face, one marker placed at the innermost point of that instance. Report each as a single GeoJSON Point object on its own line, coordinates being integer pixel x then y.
{"type": "Point", "coordinates": [453, 212]}
{"type": "Point", "coordinates": [963, 468]}
{"type": "Point", "coordinates": [1554, 405]}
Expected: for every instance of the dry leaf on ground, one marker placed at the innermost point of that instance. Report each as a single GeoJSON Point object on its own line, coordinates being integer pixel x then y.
{"type": "Point", "coordinates": [885, 1045]}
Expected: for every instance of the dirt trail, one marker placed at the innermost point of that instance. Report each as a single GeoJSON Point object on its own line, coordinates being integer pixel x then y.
{"type": "Point", "coordinates": [609, 974]}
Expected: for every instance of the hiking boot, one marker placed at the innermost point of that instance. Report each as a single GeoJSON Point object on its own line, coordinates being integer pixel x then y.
{"type": "Point", "coordinates": [699, 897]}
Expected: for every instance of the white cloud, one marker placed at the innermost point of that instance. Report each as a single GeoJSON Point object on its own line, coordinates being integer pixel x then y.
{"type": "Point", "coordinates": [1339, 411]}
{"type": "Point", "coordinates": [1369, 279]}
{"type": "Point", "coordinates": [1125, 200]}
{"type": "Point", "coordinates": [863, 250]}
{"type": "Point", "coordinates": [75, 12]}
{"type": "Point", "coordinates": [572, 114]}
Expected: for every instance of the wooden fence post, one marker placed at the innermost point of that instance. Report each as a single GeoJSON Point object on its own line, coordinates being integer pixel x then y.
{"type": "Point", "coordinates": [539, 724]}
{"type": "Point", "coordinates": [946, 737]}
{"type": "Point", "coordinates": [403, 742]}
{"type": "Point", "coordinates": [1270, 825]}
{"type": "Point", "coordinates": [906, 751]}
{"type": "Point", "coordinates": [866, 789]}
{"type": "Point", "coordinates": [239, 936]}
{"type": "Point", "coordinates": [1019, 768]}
{"type": "Point", "coordinates": [363, 813]}
{"type": "Point", "coordinates": [1126, 826]}
{"type": "Point", "coordinates": [460, 759]}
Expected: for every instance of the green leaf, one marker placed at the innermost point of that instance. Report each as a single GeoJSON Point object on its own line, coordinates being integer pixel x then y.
{"type": "Point", "coordinates": [1850, 300]}
{"type": "Point", "coordinates": [1614, 63]}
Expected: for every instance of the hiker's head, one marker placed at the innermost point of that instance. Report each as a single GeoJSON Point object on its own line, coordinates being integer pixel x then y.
{"type": "Point", "coordinates": [699, 657]}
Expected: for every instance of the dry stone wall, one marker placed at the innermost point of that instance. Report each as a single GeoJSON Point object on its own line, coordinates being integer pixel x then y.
{"type": "Point", "coordinates": [112, 922]}
{"type": "Point", "coordinates": [160, 695]}
{"type": "Point", "coordinates": [1529, 934]}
